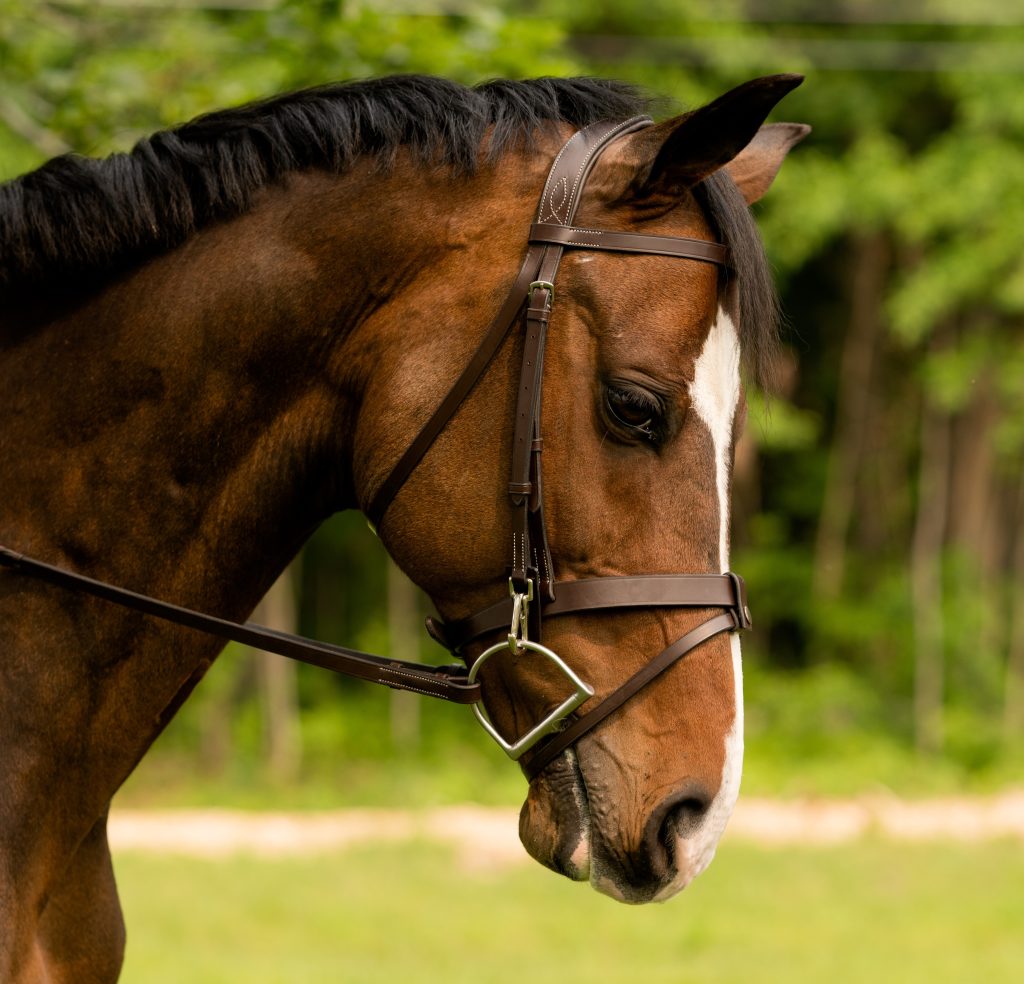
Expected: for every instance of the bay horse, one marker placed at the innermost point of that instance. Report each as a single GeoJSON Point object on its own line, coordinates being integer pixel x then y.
{"type": "Point", "coordinates": [213, 342]}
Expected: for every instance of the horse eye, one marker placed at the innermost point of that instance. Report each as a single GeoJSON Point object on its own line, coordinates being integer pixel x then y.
{"type": "Point", "coordinates": [635, 411]}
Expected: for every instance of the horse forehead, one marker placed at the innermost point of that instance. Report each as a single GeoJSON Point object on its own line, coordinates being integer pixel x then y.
{"type": "Point", "coordinates": [646, 311]}
{"type": "Point", "coordinates": [660, 326]}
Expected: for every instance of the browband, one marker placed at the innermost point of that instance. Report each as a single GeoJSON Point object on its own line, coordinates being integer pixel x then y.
{"type": "Point", "coordinates": [629, 242]}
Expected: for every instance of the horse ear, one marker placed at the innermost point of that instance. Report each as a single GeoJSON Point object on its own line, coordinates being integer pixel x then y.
{"type": "Point", "coordinates": [685, 150]}
{"type": "Point", "coordinates": [754, 168]}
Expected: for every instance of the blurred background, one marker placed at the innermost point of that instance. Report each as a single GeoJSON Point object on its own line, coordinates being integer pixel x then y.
{"type": "Point", "coordinates": [879, 497]}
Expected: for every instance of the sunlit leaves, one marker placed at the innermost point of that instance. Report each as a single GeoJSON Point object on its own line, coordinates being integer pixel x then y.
{"type": "Point", "coordinates": [95, 78]}
{"type": "Point", "coordinates": [779, 425]}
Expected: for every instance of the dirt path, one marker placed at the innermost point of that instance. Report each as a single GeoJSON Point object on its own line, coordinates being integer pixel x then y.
{"type": "Point", "coordinates": [487, 836]}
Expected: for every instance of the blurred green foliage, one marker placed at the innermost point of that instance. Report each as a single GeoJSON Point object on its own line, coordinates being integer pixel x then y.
{"type": "Point", "coordinates": [882, 497]}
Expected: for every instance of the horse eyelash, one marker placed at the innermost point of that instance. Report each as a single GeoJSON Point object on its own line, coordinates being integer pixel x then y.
{"type": "Point", "coordinates": [640, 401]}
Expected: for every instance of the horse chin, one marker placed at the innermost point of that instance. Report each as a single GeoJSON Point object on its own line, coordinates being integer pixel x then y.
{"type": "Point", "coordinates": [554, 823]}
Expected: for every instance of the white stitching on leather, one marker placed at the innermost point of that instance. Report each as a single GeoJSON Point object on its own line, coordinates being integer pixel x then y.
{"type": "Point", "coordinates": [544, 559]}
{"type": "Point", "coordinates": [600, 143]}
{"type": "Point", "coordinates": [554, 168]}
{"type": "Point", "coordinates": [400, 681]}
{"type": "Point", "coordinates": [552, 207]}
{"type": "Point", "coordinates": [518, 550]}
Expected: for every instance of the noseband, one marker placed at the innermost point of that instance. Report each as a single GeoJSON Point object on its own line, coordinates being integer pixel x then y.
{"type": "Point", "coordinates": [533, 593]}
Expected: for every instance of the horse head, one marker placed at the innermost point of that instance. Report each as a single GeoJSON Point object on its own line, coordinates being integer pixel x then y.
{"type": "Point", "coordinates": [642, 405]}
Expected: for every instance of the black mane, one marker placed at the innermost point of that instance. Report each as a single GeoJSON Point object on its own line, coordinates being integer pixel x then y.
{"type": "Point", "coordinates": [77, 215]}
{"type": "Point", "coordinates": [78, 219]}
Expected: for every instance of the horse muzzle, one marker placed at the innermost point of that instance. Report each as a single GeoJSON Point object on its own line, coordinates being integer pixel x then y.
{"type": "Point", "coordinates": [580, 833]}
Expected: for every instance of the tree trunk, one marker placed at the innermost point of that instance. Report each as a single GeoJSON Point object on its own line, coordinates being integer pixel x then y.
{"type": "Point", "coordinates": [871, 264]}
{"type": "Point", "coordinates": [977, 530]}
{"type": "Point", "coordinates": [278, 684]}
{"type": "Point", "coordinates": [403, 643]}
{"type": "Point", "coordinates": [1013, 709]}
{"type": "Point", "coordinates": [926, 578]}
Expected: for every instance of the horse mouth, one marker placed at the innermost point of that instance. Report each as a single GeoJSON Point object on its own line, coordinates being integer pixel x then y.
{"type": "Point", "coordinates": [555, 820]}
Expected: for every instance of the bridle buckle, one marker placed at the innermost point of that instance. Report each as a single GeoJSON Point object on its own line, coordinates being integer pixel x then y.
{"type": "Point", "coordinates": [518, 632]}
{"type": "Point", "coordinates": [742, 611]}
{"type": "Point", "coordinates": [542, 285]}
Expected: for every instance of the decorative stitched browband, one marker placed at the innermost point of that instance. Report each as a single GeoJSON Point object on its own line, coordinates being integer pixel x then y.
{"type": "Point", "coordinates": [531, 578]}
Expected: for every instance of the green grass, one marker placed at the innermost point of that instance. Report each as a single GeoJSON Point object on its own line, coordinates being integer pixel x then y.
{"type": "Point", "coordinates": [870, 911]}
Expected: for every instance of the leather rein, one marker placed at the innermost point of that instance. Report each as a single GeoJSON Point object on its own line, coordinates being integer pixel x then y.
{"type": "Point", "coordinates": [533, 592]}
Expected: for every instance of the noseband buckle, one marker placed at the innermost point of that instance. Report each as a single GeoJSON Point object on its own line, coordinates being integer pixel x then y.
{"type": "Point", "coordinates": [581, 693]}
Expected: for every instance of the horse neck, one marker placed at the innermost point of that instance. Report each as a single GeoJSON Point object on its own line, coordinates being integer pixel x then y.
{"type": "Point", "coordinates": [183, 430]}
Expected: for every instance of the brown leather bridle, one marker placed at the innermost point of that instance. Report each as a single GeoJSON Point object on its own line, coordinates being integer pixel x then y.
{"type": "Point", "coordinates": [531, 576]}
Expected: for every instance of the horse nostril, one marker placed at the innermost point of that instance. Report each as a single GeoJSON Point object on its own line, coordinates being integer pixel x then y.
{"type": "Point", "coordinates": [683, 816]}
{"type": "Point", "coordinates": [643, 868]}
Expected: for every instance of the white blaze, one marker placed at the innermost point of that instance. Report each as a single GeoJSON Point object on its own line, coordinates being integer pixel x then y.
{"type": "Point", "coordinates": [715, 396]}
